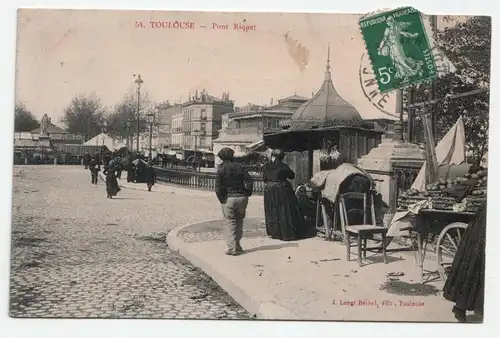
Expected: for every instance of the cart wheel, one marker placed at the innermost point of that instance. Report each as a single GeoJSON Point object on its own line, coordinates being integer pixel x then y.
{"type": "Point", "coordinates": [447, 246]}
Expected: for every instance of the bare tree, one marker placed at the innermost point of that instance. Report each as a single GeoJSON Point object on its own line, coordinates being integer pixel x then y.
{"type": "Point", "coordinates": [84, 115]}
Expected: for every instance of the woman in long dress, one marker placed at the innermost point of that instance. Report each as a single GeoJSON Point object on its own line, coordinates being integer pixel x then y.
{"type": "Point", "coordinates": [465, 283]}
{"type": "Point", "coordinates": [112, 187]}
{"type": "Point", "coordinates": [281, 208]}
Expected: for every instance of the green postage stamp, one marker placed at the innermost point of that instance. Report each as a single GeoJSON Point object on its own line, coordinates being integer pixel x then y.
{"type": "Point", "coordinates": [398, 47]}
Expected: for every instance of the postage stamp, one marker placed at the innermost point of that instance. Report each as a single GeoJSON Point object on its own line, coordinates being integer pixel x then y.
{"type": "Point", "coordinates": [398, 47]}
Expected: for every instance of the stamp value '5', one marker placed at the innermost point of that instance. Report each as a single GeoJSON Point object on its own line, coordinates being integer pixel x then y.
{"type": "Point", "coordinates": [398, 47]}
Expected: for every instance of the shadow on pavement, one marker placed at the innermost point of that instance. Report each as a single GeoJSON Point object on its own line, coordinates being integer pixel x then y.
{"type": "Point", "coordinates": [271, 247]}
{"type": "Point", "coordinates": [409, 289]}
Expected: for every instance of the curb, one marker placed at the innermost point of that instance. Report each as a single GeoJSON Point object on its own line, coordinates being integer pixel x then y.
{"type": "Point", "coordinates": [267, 310]}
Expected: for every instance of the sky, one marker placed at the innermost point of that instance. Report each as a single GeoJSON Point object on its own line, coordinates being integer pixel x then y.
{"type": "Point", "coordinates": [61, 53]}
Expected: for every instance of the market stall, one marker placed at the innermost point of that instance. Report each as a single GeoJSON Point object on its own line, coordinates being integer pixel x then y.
{"type": "Point", "coordinates": [439, 206]}
{"type": "Point", "coordinates": [441, 214]}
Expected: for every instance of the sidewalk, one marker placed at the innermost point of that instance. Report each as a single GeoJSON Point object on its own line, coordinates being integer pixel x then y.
{"type": "Point", "coordinates": [311, 279]}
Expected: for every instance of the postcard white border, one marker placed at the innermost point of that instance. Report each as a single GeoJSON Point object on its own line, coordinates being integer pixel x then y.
{"type": "Point", "coordinates": [13, 328]}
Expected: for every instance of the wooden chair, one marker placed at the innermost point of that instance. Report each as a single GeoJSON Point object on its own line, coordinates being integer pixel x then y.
{"type": "Point", "coordinates": [357, 216]}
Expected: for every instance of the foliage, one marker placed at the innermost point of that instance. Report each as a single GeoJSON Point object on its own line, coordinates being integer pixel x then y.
{"type": "Point", "coordinates": [127, 110]}
{"type": "Point", "coordinates": [467, 46]}
{"type": "Point", "coordinates": [24, 120]}
{"type": "Point", "coordinates": [84, 115]}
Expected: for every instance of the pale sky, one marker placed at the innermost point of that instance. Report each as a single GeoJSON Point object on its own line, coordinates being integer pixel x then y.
{"type": "Point", "coordinates": [64, 52]}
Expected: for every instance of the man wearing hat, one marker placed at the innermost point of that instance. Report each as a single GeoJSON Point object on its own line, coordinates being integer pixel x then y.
{"type": "Point", "coordinates": [233, 186]}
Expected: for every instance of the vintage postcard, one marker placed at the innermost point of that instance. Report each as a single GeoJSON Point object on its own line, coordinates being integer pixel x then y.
{"type": "Point", "coordinates": [210, 165]}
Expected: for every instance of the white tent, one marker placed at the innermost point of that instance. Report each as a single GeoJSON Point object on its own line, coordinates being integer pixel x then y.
{"type": "Point", "coordinates": [450, 150]}
{"type": "Point", "coordinates": [106, 140]}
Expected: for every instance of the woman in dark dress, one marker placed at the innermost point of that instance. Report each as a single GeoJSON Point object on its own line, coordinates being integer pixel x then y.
{"type": "Point", "coordinates": [465, 283]}
{"type": "Point", "coordinates": [281, 208]}
{"type": "Point", "coordinates": [112, 187]}
{"type": "Point", "coordinates": [149, 175]}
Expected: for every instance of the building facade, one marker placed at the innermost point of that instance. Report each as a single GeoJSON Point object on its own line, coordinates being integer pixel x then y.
{"type": "Point", "coordinates": [164, 127]}
{"type": "Point", "coordinates": [245, 128]}
{"type": "Point", "coordinates": [177, 133]}
{"type": "Point", "coordinates": [202, 120]}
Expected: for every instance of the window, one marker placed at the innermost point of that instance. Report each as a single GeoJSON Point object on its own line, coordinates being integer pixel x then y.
{"type": "Point", "coordinates": [202, 142]}
{"type": "Point", "coordinates": [202, 127]}
{"type": "Point", "coordinates": [203, 114]}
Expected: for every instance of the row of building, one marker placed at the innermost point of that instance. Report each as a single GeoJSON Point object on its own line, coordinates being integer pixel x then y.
{"type": "Point", "coordinates": [207, 123]}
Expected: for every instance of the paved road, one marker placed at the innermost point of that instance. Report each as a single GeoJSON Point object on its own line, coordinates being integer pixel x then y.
{"type": "Point", "coordinates": [77, 254]}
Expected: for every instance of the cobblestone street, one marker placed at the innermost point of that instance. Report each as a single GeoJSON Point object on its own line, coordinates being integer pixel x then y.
{"type": "Point", "coordinates": [77, 254]}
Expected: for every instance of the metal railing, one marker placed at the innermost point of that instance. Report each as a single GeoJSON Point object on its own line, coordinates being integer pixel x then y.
{"type": "Point", "coordinates": [199, 180]}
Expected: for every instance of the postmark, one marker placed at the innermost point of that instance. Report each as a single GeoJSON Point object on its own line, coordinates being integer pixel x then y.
{"type": "Point", "coordinates": [399, 50]}
{"type": "Point", "coordinates": [384, 102]}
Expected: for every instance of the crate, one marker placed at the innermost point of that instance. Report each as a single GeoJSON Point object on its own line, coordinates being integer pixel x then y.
{"type": "Point", "coordinates": [405, 201]}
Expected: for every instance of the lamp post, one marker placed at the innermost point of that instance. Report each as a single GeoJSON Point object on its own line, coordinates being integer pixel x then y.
{"type": "Point", "coordinates": [195, 133]}
{"type": "Point", "coordinates": [139, 82]}
{"type": "Point", "coordinates": [151, 121]}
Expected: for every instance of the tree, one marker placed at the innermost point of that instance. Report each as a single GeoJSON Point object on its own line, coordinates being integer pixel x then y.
{"type": "Point", "coordinates": [467, 45]}
{"type": "Point", "coordinates": [127, 110]}
{"type": "Point", "coordinates": [24, 120]}
{"type": "Point", "coordinates": [84, 115]}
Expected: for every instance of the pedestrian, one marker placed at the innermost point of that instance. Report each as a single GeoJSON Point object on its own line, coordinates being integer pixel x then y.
{"type": "Point", "coordinates": [233, 187]}
{"type": "Point", "coordinates": [119, 167]}
{"type": "Point", "coordinates": [112, 187]}
{"type": "Point", "coordinates": [130, 170]}
{"type": "Point", "coordinates": [465, 283]}
{"type": "Point", "coordinates": [281, 207]}
{"type": "Point", "coordinates": [86, 160]}
{"type": "Point", "coordinates": [149, 175]}
{"type": "Point", "coordinates": [94, 170]}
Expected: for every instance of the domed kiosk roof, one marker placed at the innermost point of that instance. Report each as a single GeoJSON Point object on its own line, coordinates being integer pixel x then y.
{"type": "Point", "coordinates": [324, 108]}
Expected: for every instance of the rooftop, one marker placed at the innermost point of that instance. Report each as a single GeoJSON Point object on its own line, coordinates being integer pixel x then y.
{"type": "Point", "coordinates": [324, 107]}
{"type": "Point", "coordinates": [52, 129]}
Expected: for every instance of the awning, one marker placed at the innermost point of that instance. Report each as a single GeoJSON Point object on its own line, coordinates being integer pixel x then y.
{"type": "Point", "coordinates": [258, 146]}
{"type": "Point", "coordinates": [171, 152]}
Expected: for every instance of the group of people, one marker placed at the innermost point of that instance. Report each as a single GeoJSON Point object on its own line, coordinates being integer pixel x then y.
{"type": "Point", "coordinates": [233, 187]}
{"type": "Point", "coordinates": [285, 220]}
{"type": "Point", "coordinates": [113, 170]}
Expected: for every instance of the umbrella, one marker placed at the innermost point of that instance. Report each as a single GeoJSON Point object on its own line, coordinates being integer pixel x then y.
{"type": "Point", "coordinates": [449, 151]}
{"type": "Point", "coordinates": [136, 161]}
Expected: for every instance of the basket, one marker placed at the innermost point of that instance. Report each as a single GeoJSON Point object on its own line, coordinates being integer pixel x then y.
{"type": "Point", "coordinates": [472, 204]}
{"type": "Point", "coordinates": [442, 203]}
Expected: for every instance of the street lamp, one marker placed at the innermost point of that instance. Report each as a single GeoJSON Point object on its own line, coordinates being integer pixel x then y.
{"type": "Point", "coordinates": [195, 133]}
{"type": "Point", "coordinates": [139, 82]}
{"type": "Point", "coordinates": [151, 121]}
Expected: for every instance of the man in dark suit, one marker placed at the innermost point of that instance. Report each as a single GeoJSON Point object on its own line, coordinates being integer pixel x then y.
{"type": "Point", "coordinates": [233, 187]}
